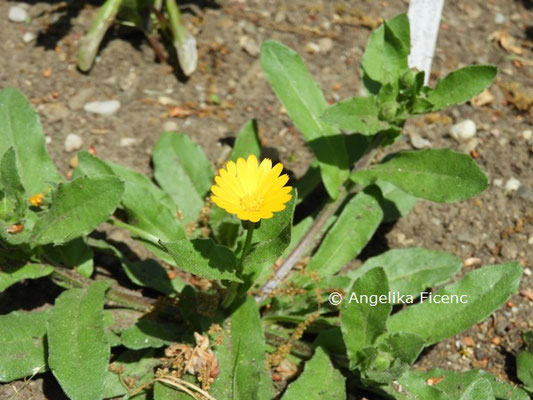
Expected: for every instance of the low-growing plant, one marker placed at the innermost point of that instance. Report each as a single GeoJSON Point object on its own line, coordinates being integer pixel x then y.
{"type": "Point", "coordinates": [234, 318]}
{"type": "Point", "coordinates": [154, 18]}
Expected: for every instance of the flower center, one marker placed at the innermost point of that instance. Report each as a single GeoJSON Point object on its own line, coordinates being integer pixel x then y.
{"type": "Point", "coordinates": [251, 202]}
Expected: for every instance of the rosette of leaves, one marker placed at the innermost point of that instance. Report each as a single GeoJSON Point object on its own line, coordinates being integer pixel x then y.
{"type": "Point", "coordinates": [154, 18]}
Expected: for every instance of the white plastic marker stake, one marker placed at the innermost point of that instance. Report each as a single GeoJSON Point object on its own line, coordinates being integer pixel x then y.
{"type": "Point", "coordinates": [424, 19]}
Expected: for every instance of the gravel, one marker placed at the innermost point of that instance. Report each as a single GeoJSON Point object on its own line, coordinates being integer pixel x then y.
{"type": "Point", "coordinates": [464, 130]}
{"type": "Point", "coordinates": [107, 107]}
{"type": "Point", "coordinates": [17, 14]}
{"type": "Point", "coordinates": [73, 142]}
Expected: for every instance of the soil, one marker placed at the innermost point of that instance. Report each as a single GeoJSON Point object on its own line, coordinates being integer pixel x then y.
{"type": "Point", "coordinates": [494, 227]}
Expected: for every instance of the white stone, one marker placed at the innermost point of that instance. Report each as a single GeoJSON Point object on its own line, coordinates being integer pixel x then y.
{"type": "Point", "coordinates": [28, 37]}
{"type": "Point", "coordinates": [312, 48]}
{"type": "Point", "coordinates": [527, 135]}
{"type": "Point", "coordinates": [498, 182]}
{"type": "Point", "coordinates": [512, 184]}
{"type": "Point", "coordinates": [73, 142]}
{"type": "Point", "coordinates": [463, 130]}
{"type": "Point", "coordinates": [17, 14]}
{"type": "Point", "coordinates": [418, 141]}
{"type": "Point", "coordinates": [48, 139]}
{"type": "Point", "coordinates": [499, 18]}
{"type": "Point", "coordinates": [127, 141]}
{"type": "Point", "coordinates": [108, 107]}
{"type": "Point", "coordinates": [169, 126]}
{"type": "Point", "coordinates": [325, 44]}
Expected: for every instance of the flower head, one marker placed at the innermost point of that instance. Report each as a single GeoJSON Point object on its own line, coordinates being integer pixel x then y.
{"type": "Point", "coordinates": [37, 199]}
{"type": "Point", "coordinates": [251, 190]}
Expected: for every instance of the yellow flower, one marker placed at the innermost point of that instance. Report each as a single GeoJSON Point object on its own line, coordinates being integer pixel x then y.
{"type": "Point", "coordinates": [251, 190]}
{"type": "Point", "coordinates": [37, 199]}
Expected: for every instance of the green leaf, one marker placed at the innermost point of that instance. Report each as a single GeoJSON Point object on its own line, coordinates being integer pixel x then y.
{"type": "Point", "coordinates": [137, 366]}
{"type": "Point", "coordinates": [385, 56]}
{"type": "Point", "coordinates": [149, 273]}
{"type": "Point", "coordinates": [11, 275]}
{"type": "Point", "coordinates": [394, 201]}
{"type": "Point", "coordinates": [411, 270]}
{"type": "Point", "coordinates": [452, 386]}
{"type": "Point", "coordinates": [247, 142]}
{"type": "Point", "coordinates": [439, 175]}
{"type": "Point", "coordinates": [353, 229]}
{"type": "Point", "coordinates": [22, 348]}
{"type": "Point", "coordinates": [243, 374]}
{"type": "Point", "coordinates": [480, 389]}
{"type": "Point", "coordinates": [183, 171]}
{"type": "Point", "coordinates": [148, 333]}
{"type": "Point", "coordinates": [361, 321]}
{"type": "Point", "coordinates": [204, 258]}
{"type": "Point", "coordinates": [524, 368]}
{"type": "Point", "coordinates": [404, 346]}
{"type": "Point", "coordinates": [77, 208]}
{"type": "Point", "coordinates": [484, 291]}
{"type": "Point", "coordinates": [20, 129]}
{"type": "Point", "coordinates": [305, 103]}
{"type": "Point", "coordinates": [10, 179]}
{"type": "Point", "coordinates": [318, 381]}
{"type": "Point", "coordinates": [151, 212]}
{"type": "Point", "coordinates": [74, 254]}
{"type": "Point", "coordinates": [78, 349]}
{"type": "Point", "coordinates": [356, 115]}
{"type": "Point", "coordinates": [461, 85]}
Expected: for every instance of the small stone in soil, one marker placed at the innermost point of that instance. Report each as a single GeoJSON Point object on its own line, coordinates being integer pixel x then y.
{"type": "Point", "coordinates": [418, 141]}
{"type": "Point", "coordinates": [77, 101]}
{"type": "Point", "coordinates": [509, 250]}
{"type": "Point", "coordinates": [499, 18]}
{"type": "Point", "coordinates": [312, 48]}
{"type": "Point", "coordinates": [497, 182]}
{"type": "Point", "coordinates": [28, 37]}
{"type": "Point", "coordinates": [107, 107]}
{"type": "Point", "coordinates": [127, 141]}
{"type": "Point", "coordinates": [170, 126]}
{"type": "Point", "coordinates": [249, 45]}
{"type": "Point", "coordinates": [525, 192]}
{"type": "Point", "coordinates": [512, 184]}
{"type": "Point", "coordinates": [325, 45]}
{"type": "Point", "coordinates": [17, 14]}
{"type": "Point", "coordinates": [527, 135]}
{"type": "Point", "coordinates": [463, 130]}
{"type": "Point", "coordinates": [54, 112]}
{"type": "Point", "coordinates": [73, 142]}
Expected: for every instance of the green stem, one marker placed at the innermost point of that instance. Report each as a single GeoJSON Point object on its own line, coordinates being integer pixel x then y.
{"type": "Point", "coordinates": [234, 286]}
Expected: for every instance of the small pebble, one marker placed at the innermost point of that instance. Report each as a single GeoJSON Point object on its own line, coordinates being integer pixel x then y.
{"type": "Point", "coordinates": [498, 182]}
{"type": "Point", "coordinates": [73, 142]}
{"type": "Point", "coordinates": [525, 192]}
{"type": "Point", "coordinates": [512, 184]}
{"type": "Point", "coordinates": [127, 141]}
{"type": "Point", "coordinates": [527, 135]}
{"type": "Point", "coordinates": [499, 19]}
{"type": "Point", "coordinates": [108, 107]}
{"type": "Point", "coordinates": [47, 139]}
{"type": "Point", "coordinates": [17, 14]}
{"type": "Point", "coordinates": [312, 48]}
{"type": "Point", "coordinates": [463, 130]}
{"type": "Point", "coordinates": [527, 271]}
{"type": "Point", "coordinates": [166, 101]}
{"type": "Point", "coordinates": [77, 101]}
{"type": "Point", "coordinates": [28, 37]}
{"type": "Point", "coordinates": [170, 126]}
{"type": "Point", "coordinates": [249, 45]}
{"type": "Point", "coordinates": [472, 261]}
{"type": "Point", "coordinates": [74, 162]}
{"type": "Point", "coordinates": [325, 45]}
{"type": "Point", "coordinates": [418, 141]}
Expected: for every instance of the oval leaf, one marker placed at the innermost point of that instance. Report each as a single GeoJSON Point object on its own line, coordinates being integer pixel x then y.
{"type": "Point", "coordinates": [78, 349]}
{"type": "Point", "coordinates": [305, 103]}
{"type": "Point", "coordinates": [461, 85]}
{"type": "Point", "coordinates": [320, 380]}
{"type": "Point", "coordinates": [77, 208]}
{"type": "Point", "coordinates": [11, 275]}
{"type": "Point", "coordinates": [409, 271]}
{"type": "Point", "coordinates": [204, 258]}
{"type": "Point", "coordinates": [439, 175]}
{"type": "Point", "coordinates": [183, 171]}
{"type": "Point", "coordinates": [486, 290]}
{"type": "Point", "coordinates": [22, 350]}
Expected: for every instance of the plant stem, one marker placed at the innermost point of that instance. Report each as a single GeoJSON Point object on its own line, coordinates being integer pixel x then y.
{"type": "Point", "coordinates": [234, 286]}
{"type": "Point", "coordinates": [314, 234]}
{"type": "Point", "coordinates": [116, 294]}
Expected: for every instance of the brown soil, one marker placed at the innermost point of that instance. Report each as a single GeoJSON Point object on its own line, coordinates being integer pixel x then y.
{"type": "Point", "coordinates": [494, 227]}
